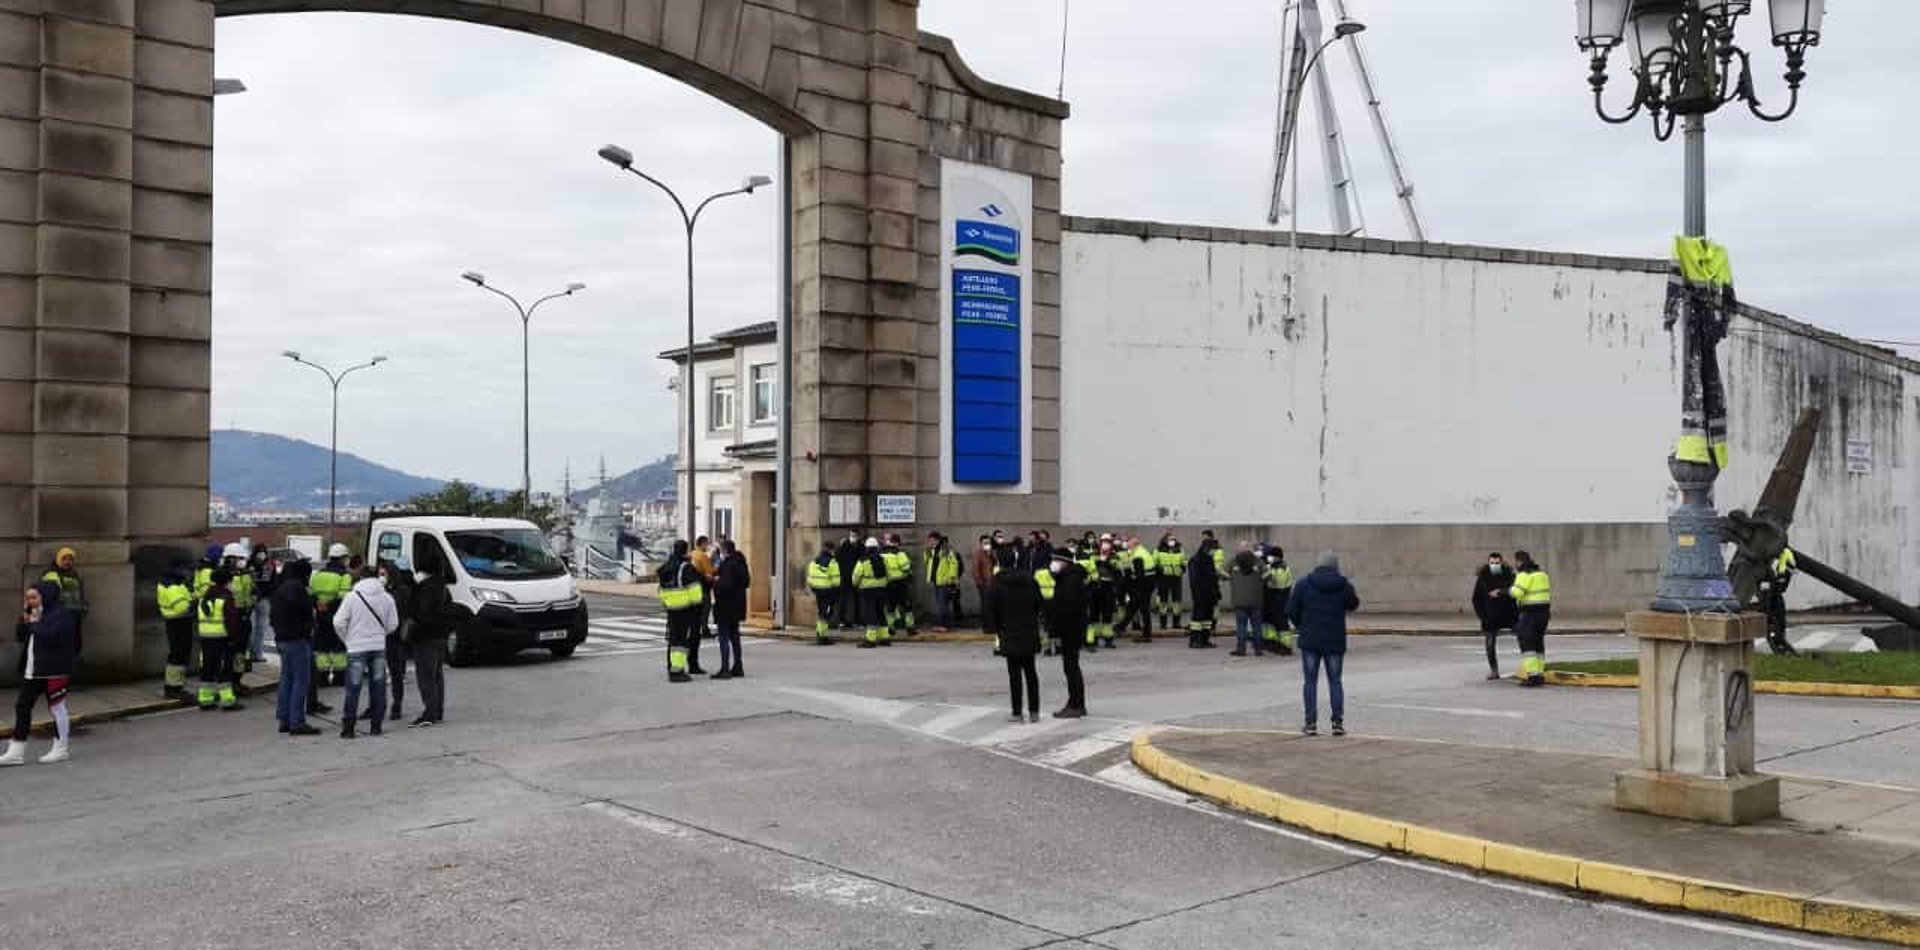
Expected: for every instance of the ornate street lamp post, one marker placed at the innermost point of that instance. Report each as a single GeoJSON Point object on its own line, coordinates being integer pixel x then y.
{"type": "Point", "coordinates": [1686, 64]}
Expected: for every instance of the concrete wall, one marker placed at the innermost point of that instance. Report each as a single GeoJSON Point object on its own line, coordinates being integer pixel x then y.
{"type": "Point", "coordinates": [1421, 405]}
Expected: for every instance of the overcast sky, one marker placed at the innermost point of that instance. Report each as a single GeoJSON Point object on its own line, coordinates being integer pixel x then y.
{"type": "Point", "coordinates": [375, 158]}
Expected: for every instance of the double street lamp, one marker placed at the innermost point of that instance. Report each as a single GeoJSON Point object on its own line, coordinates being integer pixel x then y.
{"type": "Point", "coordinates": [622, 159]}
{"type": "Point", "coordinates": [526, 412]}
{"type": "Point", "coordinates": [333, 442]}
{"type": "Point", "coordinates": [1686, 64]}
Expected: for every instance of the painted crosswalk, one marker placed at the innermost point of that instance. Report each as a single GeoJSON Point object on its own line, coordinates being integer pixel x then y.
{"type": "Point", "coordinates": [1093, 747]}
{"type": "Point", "coordinates": [624, 636]}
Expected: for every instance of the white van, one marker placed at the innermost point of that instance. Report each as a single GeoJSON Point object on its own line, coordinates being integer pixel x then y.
{"type": "Point", "coordinates": [516, 593]}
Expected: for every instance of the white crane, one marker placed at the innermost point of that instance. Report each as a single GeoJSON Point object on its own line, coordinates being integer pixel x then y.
{"type": "Point", "coordinates": [1302, 33]}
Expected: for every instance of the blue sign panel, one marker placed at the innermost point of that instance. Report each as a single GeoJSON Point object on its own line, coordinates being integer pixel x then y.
{"type": "Point", "coordinates": [986, 374]}
{"type": "Point", "coordinates": [995, 242]}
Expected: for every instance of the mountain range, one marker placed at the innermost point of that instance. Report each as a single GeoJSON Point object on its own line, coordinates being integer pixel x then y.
{"type": "Point", "coordinates": [260, 470]}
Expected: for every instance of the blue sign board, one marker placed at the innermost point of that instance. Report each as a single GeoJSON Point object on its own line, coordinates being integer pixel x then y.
{"type": "Point", "coordinates": [986, 374]}
{"type": "Point", "coordinates": [995, 242]}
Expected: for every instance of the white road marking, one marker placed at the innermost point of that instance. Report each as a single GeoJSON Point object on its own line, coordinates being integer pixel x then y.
{"type": "Point", "coordinates": [1087, 747]}
{"type": "Point", "coordinates": [1454, 710]}
{"type": "Point", "coordinates": [1025, 730]}
{"type": "Point", "coordinates": [1816, 639]}
{"type": "Point", "coordinates": [885, 710]}
{"type": "Point", "coordinates": [946, 722]}
{"type": "Point", "coordinates": [844, 891]}
{"type": "Point", "coordinates": [658, 826]}
{"type": "Point", "coordinates": [1864, 645]}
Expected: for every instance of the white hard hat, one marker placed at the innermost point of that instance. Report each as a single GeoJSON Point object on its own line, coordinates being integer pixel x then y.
{"type": "Point", "coordinates": [873, 542]}
{"type": "Point", "coordinates": [338, 550]}
{"type": "Point", "coordinates": [233, 550]}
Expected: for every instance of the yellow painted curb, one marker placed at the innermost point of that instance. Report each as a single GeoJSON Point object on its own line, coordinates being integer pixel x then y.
{"type": "Point", "coordinates": [1777, 687]}
{"type": "Point", "coordinates": [1639, 885]}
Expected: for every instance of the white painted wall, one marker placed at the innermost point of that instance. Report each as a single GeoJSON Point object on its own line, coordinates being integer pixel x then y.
{"type": "Point", "coordinates": [1432, 391]}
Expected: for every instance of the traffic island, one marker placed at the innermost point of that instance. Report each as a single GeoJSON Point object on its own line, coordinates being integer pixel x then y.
{"type": "Point", "coordinates": [1841, 859]}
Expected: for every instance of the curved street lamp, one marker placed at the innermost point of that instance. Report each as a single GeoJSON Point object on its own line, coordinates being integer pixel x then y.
{"type": "Point", "coordinates": [1686, 65]}
{"type": "Point", "coordinates": [622, 159]}
{"type": "Point", "coordinates": [1341, 31]}
{"type": "Point", "coordinates": [526, 386]}
{"type": "Point", "coordinates": [333, 441]}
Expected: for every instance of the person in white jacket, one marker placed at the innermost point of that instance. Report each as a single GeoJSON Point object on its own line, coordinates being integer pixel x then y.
{"type": "Point", "coordinates": [365, 616]}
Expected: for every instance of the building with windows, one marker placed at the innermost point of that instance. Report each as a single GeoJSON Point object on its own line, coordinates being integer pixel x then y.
{"type": "Point", "coordinates": [736, 392]}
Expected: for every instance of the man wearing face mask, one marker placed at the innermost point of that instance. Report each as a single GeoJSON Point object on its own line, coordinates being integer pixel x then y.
{"type": "Point", "coordinates": [1496, 611]}
{"type": "Point", "coordinates": [1067, 621]}
{"type": "Point", "coordinates": [980, 568]}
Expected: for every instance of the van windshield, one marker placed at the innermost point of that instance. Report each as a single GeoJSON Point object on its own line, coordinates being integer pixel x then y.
{"type": "Point", "coordinates": [505, 553]}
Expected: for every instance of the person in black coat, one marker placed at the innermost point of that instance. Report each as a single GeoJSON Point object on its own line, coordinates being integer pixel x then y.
{"type": "Point", "coordinates": [1319, 609]}
{"type": "Point", "coordinates": [731, 579]}
{"type": "Point", "coordinates": [1013, 611]}
{"type": "Point", "coordinates": [1204, 580]}
{"type": "Point", "coordinates": [49, 636]}
{"type": "Point", "coordinates": [847, 555]}
{"type": "Point", "coordinates": [434, 617]}
{"type": "Point", "coordinates": [290, 612]}
{"type": "Point", "coordinates": [1495, 609]}
{"type": "Point", "coordinates": [1067, 623]}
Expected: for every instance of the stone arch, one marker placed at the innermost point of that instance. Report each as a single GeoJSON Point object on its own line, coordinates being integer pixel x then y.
{"type": "Point", "coordinates": [106, 123]}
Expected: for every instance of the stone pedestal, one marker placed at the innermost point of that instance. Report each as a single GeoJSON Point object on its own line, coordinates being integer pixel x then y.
{"type": "Point", "coordinates": [1696, 720]}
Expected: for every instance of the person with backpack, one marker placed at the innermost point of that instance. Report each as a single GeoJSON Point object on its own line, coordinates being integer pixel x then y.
{"type": "Point", "coordinates": [870, 583]}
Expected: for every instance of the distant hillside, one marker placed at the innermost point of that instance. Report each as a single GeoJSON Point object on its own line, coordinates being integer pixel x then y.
{"type": "Point", "coordinates": [259, 470]}
{"type": "Point", "coordinates": [642, 484]}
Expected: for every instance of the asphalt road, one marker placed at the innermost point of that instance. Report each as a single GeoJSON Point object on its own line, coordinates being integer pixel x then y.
{"type": "Point", "coordinates": [835, 798]}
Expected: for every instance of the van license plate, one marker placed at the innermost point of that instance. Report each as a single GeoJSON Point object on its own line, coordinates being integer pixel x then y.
{"type": "Point", "coordinates": [554, 634]}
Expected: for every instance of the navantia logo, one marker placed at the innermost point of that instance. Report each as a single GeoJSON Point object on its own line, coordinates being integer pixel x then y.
{"type": "Point", "coordinates": [992, 211]}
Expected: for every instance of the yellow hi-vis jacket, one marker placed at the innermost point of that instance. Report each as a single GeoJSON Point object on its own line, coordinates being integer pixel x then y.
{"type": "Point", "coordinates": [1786, 563]}
{"type": "Point", "coordinates": [823, 576]}
{"type": "Point", "coordinates": [864, 576]}
{"type": "Point", "coordinates": [899, 564]}
{"type": "Point", "coordinates": [328, 585]}
{"type": "Point", "coordinates": [175, 600]}
{"type": "Point", "coordinates": [213, 614]}
{"type": "Point", "coordinates": [943, 567]}
{"type": "Point", "coordinates": [680, 588]}
{"type": "Point", "coordinates": [1144, 563]}
{"type": "Point", "coordinates": [1532, 589]}
{"type": "Point", "coordinates": [1171, 563]}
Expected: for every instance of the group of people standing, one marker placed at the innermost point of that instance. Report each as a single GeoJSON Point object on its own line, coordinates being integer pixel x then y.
{"type": "Point", "coordinates": [701, 583]}
{"type": "Point", "coordinates": [1517, 598]}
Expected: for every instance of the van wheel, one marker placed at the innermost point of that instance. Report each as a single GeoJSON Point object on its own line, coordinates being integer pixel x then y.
{"type": "Point", "coordinates": [460, 651]}
{"type": "Point", "coordinates": [562, 651]}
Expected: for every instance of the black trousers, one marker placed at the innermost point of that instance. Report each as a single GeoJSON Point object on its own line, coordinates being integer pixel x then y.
{"type": "Point", "coordinates": [1493, 647]}
{"type": "Point", "coordinates": [683, 632]}
{"type": "Point", "coordinates": [702, 615]}
{"type": "Point", "coordinates": [1139, 604]}
{"type": "Point", "coordinates": [429, 669]}
{"type": "Point", "coordinates": [1021, 668]}
{"type": "Point", "coordinates": [180, 641]}
{"type": "Point", "coordinates": [1100, 604]}
{"type": "Point", "coordinates": [1531, 631]}
{"type": "Point", "coordinates": [31, 690]}
{"type": "Point", "coordinates": [1070, 643]}
{"type": "Point", "coordinates": [398, 653]}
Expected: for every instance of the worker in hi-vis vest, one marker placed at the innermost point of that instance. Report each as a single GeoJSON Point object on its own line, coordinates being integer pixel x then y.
{"type": "Point", "coordinates": [823, 579]}
{"type": "Point", "coordinates": [1532, 592]}
{"type": "Point", "coordinates": [682, 595]}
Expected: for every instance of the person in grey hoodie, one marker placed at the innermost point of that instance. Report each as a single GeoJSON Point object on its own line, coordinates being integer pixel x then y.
{"type": "Point", "coordinates": [1319, 609]}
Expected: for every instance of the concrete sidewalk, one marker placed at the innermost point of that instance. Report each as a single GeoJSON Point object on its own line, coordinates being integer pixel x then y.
{"type": "Point", "coordinates": [1843, 859]}
{"type": "Point", "coordinates": [89, 705]}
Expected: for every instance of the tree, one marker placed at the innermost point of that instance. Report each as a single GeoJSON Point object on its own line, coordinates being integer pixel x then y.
{"type": "Point", "coordinates": [461, 498]}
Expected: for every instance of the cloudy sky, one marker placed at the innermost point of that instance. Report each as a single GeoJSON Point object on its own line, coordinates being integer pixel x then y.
{"type": "Point", "coordinates": [375, 158]}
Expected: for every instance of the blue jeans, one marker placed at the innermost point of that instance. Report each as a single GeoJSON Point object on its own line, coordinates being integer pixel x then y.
{"type": "Point", "coordinates": [1310, 664]}
{"type": "Point", "coordinates": [1246, 629]}
{"type": "Point", "coordinates": [946, 606]}
{"type": "Point", "coordinates": [296, 672]}
{"type": "Point", "coordinates": [256, 647]}
{"type": "Point", "coordinates": [367, 664]}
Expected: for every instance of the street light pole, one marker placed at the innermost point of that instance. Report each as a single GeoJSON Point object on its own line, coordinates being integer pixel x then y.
{"type": "Point", "coordinates": [526, 384]}
{"type": "Point", "coordinates": [1341, 31]}
{"type": "Point", "coordinates": [622, 159]}
{"type": "Point", "coordinates": [1686, 63]}
{"type": "Point", "coordinates": [333, 440]}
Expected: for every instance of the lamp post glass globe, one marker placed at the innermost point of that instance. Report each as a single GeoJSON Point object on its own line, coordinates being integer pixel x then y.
{"type": "Point", "coordinates": [1797, 21]}
{"type": "Point", "coordinates": [1602, 23]}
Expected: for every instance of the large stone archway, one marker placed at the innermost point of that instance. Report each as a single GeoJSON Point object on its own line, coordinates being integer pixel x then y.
{"type": "Point", "coordinates": [106, 137]}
